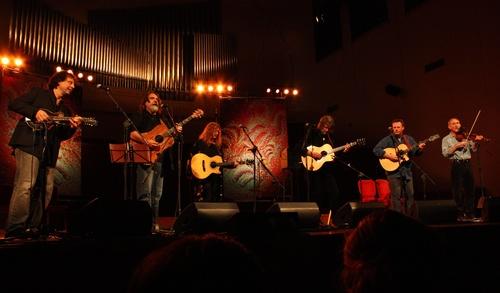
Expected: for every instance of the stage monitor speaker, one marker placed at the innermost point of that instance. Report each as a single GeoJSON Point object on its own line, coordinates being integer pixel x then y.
{"type": "Point", "coordinates": [491, 209]}
{"type": "Point", "coordinates": [305, 214]}
{"type": "Point", "coordinates": [352, 212]}
{"type": "Point", "coordinates": [437, 211]}
{"type": "Point", "coordinates": [202, 217]}
{"type": "Point", "coordinates": [109, 218]}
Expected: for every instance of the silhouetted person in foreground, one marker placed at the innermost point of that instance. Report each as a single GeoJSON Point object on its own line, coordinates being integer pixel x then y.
{"type": "Point", "coordinates": [390, 252]}
{"type": "Point", "coordinates": [199, 263]}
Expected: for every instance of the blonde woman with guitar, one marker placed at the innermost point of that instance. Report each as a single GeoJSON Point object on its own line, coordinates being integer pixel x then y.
{"type": "Point", "coordinates": [399, 148]}
{"type": "Point", "coordinates": [206, 162]}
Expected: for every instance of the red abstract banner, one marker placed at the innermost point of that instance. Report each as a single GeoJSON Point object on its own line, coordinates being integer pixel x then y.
{"type": "Point", "coordinates": [264, 120]}
{"type": "Point", "coordinates": [68, 175]}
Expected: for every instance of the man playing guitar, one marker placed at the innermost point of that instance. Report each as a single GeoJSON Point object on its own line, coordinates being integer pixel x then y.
{"type": "Point", "coordinates": [401, 179]}
{"type": "Point", "coordinates": [149, 184]}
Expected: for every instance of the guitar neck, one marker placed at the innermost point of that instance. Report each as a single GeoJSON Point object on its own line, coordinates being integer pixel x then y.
{"type": "Point", "coordinates": [172, 130]}
{"type": "Point", "coordinates": [340, 148]}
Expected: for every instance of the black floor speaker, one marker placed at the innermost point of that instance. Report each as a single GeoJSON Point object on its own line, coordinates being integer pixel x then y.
{"type": "Point", "coordinates": [352, 212]}
{"type": "Point", "coordinates": [437, 211]}
{"type": "Point", "coordinates": [107, 218]}
{"type": "Point", "coordinates": [202, 217]}
{"type": "Point", "coordinates": [305, 214]}
{"type": "Point", "coordinates": [491, 209]}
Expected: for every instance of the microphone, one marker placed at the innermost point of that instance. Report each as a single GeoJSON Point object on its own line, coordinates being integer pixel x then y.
{"type": "Point", "coordinates": [164, 106]}
{"type": "Point", "coordinates": [102, 87]}
{"type": "Point", "coordinates": [389, 128]}
{"type": "Point", "coordinates": [242, 126]}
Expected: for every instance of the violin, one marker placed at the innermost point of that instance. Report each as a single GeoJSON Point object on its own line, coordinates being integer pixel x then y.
{"type": "Point", "coordinates": [462, 135]}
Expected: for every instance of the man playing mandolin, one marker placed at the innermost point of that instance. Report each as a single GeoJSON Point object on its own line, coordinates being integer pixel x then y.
{"type": "Point", "coordinates": [36, 150]}
{"type": "Point", "coordinates": [399, 148]}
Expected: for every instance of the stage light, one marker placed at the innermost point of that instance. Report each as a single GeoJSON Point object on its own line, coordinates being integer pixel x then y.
{"type": "Point", "coordinates": [229, 88]}
{"type": "Point", "coordinates": [5, 61]}
{"type": "Point", "coordinates": [277, 91]}
{"type": "Point", "coordinates": [80, 75]}
{"type": "Point", "coordinates": [210, 88]}
{"type": "Point", "coordinates": [70, 71]}
{"type": "Point", "coordinates": [220, 88]}
{"type": "Point", "coordinates": [58, 69]}
{"type": "Point", "coordinates": [295, 92]}
{"type": "Point", "coordinates": [268, 90]}
{"type": "Point", "coordinates": [90, 78]}
{"type": "Point", "coordinates": [18, 62]}
{"type": "Point", "coordinates": [286, 91]}
{"type": "Point", "coordinates": [200, 88]}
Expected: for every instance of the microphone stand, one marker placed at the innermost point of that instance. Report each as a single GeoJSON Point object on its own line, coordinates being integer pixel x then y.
{"type": "Point", "coordinates": [424, 178]}
{"type": "Point", "coordinates": [308, 180]}
{"type": "Point", "coordinates": [129, 151]}
{"type": "Point", "coordinates": [255, 151]}
{"type": "Point", "coordinates": [360, 174]}
{"type": "Point", "coordinates": [180, 140]}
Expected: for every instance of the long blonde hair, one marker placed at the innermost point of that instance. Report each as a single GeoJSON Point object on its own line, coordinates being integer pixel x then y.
{"type": "Point", "coordinates": [207, 134]}
{"type": "Point", "coordinates": [325, 120]}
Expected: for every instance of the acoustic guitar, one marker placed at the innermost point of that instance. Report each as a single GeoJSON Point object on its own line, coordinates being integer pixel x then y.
{"type": "Point", "coordinates": [57, 118]}
{"type": "Point", "coordinates": [164, 135]}
{"type": "Point", "coordinates": [202, 165]}
{"type": "Point", "coordinates": [401, 151]}
{"type": "Point", "coordinates": [327, 153]}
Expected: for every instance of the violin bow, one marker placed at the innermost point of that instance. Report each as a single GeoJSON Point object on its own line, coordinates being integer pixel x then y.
{"type": "Point", "coordinates": [473, 124]}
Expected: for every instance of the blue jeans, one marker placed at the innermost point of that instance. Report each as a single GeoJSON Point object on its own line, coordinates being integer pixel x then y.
{"type": "Point", "coordinates": [402, 199]}
{"type": "Point", "coordinates": [149, 186]}
{"type": "Point", "coordinates": [25, 208]}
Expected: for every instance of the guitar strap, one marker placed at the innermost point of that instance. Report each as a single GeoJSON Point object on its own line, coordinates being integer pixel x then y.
{"type": "Point", "coordinates": [329, 138]}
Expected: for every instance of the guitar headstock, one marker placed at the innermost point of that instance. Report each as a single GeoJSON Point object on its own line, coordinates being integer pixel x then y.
{"type": "Point", "coordinates": [359, 141]}
{"type": "Point", "coordinates": [198, 113]}
{"type": "Point", "coordinates": [89, 121]}
{"type": "Point", "coordinates": [433, 137]}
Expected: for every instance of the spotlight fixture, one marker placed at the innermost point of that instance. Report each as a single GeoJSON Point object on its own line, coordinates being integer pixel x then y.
{"type": "Point", "coordinates": [11, 63]}
{"type": "Point", "coordinates": [5, 61]}
{"type": "Point", "coordinates": [282, 92]}
{"type": "Point", "coordinates": [208, 88]}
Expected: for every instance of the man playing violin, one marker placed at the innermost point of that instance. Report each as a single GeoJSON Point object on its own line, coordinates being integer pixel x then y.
{"type": "Point", "coordinates": [458, 148]}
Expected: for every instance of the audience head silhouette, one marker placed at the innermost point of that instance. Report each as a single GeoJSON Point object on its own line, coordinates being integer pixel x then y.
{"type": "Point", "coordinates": [390, 252]}
{"type": "Point", "coordinates": [197, 263]}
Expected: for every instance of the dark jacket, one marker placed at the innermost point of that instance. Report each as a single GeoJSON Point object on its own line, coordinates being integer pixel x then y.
{"type": "Point", "coordinates": [32, 141]}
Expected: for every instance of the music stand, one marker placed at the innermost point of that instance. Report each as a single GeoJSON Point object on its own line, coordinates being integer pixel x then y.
{"type": "Point", "coordinates": [128, 153]}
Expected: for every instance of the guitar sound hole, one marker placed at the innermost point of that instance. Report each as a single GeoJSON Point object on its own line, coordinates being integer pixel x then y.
{"type": "Point", "coordinates": [213, 164]}
{"type": "Point", "coordinates": [323, 153]}
{"type": "Point", "coordinates": [158, 138]}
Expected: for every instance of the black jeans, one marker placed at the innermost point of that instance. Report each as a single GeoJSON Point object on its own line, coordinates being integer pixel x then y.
{"type": "Point", "coordinates": [462, 186]}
